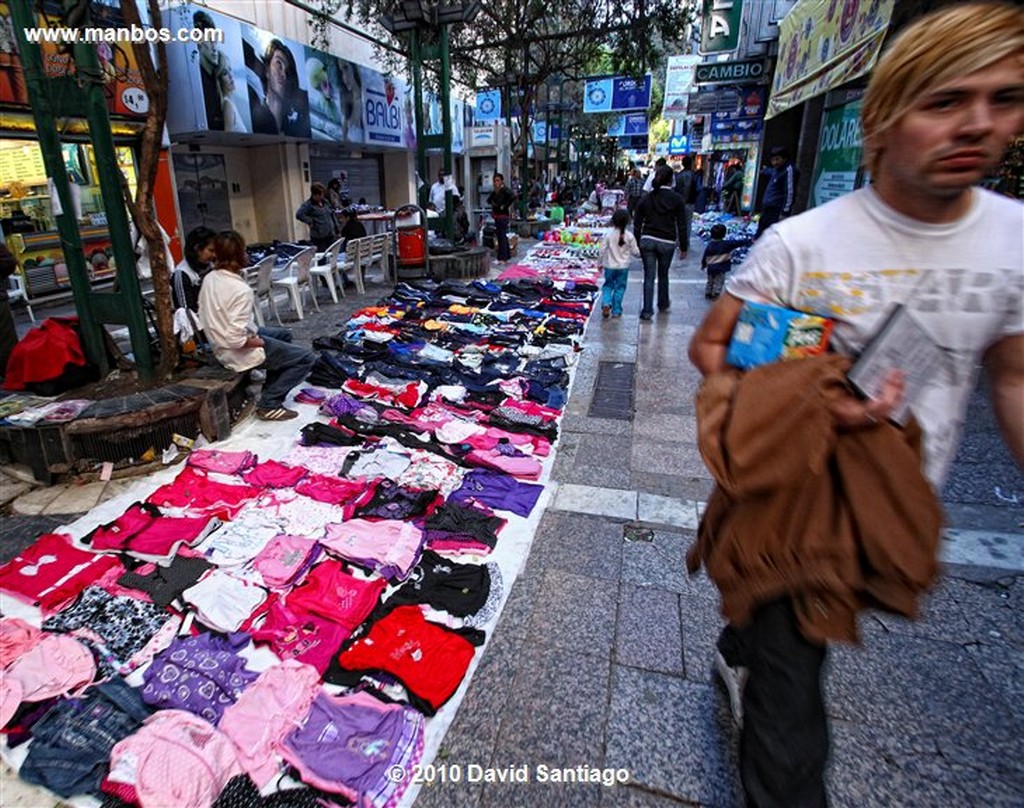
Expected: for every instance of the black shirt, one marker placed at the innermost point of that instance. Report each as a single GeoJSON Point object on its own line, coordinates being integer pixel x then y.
{"type": "Point", "coordinates": [501, 201]}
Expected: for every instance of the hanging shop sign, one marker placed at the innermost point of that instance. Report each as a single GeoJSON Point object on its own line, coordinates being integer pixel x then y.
{"type": "Point", "coordinates": [824, 43]}
{"type": "Point", "coordinates": [678, 144]}
{"type": "Point", "coordinates": [629, 125]}
{"type": "Point", "coordinates": [482, 137]}
{"type": "Point", "coordinates": [742, 71]}
{"type": "Point", "coordinates": [633, 142]}
{"type": "Point", "coordinates": [744, 124]}
{"type": "Point", "coordinates": [839, 154]}
{"type": "Point", "coordinates": [122, 81]}
{"type": "Point", "coordinates": [488, 105]}
{"type": "Point", "coordinates": [617, 94]}
{"type": "Point", "coordinates": [720, 26]}
{"type": "Point", "coordinates": [387, 111]}
{"type": "Point", "coordinates": [716, 101]}
{"type": "Point", "coordinates": [678, 85]}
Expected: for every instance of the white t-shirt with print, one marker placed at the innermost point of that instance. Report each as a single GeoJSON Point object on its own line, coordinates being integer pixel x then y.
{"type": "Point", "coordinates": [855, 257]}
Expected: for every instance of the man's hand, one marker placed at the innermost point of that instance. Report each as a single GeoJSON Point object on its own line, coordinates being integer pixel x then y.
{"type": "Point", "coordinates": [851, 412]}
{"type": "Point", "coordinates": [254, 342]}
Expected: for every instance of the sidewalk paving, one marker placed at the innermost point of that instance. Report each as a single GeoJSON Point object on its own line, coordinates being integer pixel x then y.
{"type": "Point", "coordinates": [602, 655]}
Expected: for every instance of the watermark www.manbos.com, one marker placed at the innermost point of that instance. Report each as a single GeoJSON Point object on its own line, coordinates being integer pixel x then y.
{"type": "Point", "coordinates": [134, 34]}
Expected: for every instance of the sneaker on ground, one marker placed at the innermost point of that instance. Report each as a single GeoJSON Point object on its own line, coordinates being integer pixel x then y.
{"type": "Point", "coordinates": [606, 311]}
{"type": "Point", "coordinates": [734, 679]}
{"type": "Point", "coordinates": [276, 414]}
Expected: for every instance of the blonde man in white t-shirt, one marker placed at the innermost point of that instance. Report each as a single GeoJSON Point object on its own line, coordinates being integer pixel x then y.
{"type": "Point", "coordinates": [940, 109]}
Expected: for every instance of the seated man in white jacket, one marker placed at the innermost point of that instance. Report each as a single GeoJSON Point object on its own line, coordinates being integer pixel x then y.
{"type": "Point", "coordinates": [227, 314]}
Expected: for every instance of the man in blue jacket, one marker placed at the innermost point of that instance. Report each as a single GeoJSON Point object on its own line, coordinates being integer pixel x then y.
{"type": "Point", "coordinates": [778, 196]}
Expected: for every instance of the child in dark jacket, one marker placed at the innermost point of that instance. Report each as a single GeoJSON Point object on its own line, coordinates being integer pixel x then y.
{"type": "Point", "coordinates": [717, 260]}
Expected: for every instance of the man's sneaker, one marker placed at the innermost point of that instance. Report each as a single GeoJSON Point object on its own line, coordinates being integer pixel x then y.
{"type": "Point", "coordinates": [606, 311]}
{"type": "Point", "coordinates": [734, 679]}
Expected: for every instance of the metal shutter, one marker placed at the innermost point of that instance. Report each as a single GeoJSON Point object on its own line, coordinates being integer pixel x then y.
{"type": "Point", "coordinates": [364, 173]}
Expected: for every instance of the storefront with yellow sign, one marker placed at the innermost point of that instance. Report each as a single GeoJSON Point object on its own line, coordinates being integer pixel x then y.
{"type": "Point", "coordinates": [28, 218]}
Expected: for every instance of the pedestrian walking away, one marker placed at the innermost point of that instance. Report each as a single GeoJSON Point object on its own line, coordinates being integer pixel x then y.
{"type": "Point", "coordinates": [501, 200]}
{"type": "Point", "coordinates": [660, 226]}
{"type": "Point", "coordinates": [226, 311]}
{"type": "Point", "coordinates": [941, 107]}
{"type": "Point", "coordinates": [617, 247]}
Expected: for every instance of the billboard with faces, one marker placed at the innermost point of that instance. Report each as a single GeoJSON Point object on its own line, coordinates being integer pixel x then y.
{"type": "Point", "coordinates": [277, 84]}
{"type": "Point", "coordinates": [335, 98]}
{"type": "Point", "coordinates": [215, 74]}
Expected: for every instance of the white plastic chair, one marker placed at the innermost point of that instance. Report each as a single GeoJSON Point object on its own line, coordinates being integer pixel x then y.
{"type": "Point", "coordinates": [298, 276]}
{"type": "Point", "coordinates": [16, 291]}
{"type": "Point", "coordinates": [263, 271]}
{"type": "Point", "coordinates": [326, 267]}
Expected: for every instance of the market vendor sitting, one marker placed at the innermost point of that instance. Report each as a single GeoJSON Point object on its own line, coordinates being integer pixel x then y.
{"type": "Point", "coordinates": [226, 309]}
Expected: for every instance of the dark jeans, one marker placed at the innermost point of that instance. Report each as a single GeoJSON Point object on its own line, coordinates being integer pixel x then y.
{"type": "Point", "coordinates": [770, 214]}
{"type": "Point", "coordinates": [784, 745]}
{"type": "Point", "coordinates": [501, 236]}
{"type": "Point", "coordinates": [287, 365]}
{"type": "Point", "coordinates": [657, 258]}
{"type": "Point", "coordinates": [689, 225]}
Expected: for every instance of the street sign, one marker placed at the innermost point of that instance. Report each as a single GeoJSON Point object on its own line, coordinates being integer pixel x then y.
{"type": "Point", "coordinates": [720, 25]}
{"type": "Point", "coordinates": [678, 85]}
{"type": "Point", "coordinates": [742, 71]}
{"type": "Point", "coordinates": [488, 105]}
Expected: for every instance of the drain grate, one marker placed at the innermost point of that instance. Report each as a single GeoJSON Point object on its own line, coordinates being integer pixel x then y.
{"type": "Point", "coordinates": [613, 391]}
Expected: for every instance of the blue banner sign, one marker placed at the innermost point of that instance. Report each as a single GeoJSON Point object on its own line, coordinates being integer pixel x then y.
{"type": "Point", "coordinates": [488, 106]}
{"type": "Point", "coordinates": [634, 123]}
{"type": "Point", "coordinates": [617, 94]}
{"type": "Point", "coordinates": [678, 144]}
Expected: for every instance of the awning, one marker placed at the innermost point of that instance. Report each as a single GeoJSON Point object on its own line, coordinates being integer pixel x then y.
{"type": "Point", "coordinates": [825, 43]}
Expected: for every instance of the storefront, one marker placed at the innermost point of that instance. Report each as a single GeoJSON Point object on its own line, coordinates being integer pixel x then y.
{"type": "Point", "coordinates": [273, 115]}
{"type": "Point", "coordinates": [28, 206]}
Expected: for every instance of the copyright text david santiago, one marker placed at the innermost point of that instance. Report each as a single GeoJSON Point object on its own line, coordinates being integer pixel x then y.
{"type": "Point", "coordinates": [438, 773]}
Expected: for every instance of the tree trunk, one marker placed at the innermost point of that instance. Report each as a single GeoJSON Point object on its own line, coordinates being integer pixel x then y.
{"type": "Point", "coordinates": [154, 79]}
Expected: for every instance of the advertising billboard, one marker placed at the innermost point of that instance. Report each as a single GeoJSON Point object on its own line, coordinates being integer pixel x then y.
{"type": "Point", "coordinates": [617, 94]}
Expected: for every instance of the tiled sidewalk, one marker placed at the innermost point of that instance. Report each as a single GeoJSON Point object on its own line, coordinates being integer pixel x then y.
{"type": "Point", "coordinates": [602, 657]}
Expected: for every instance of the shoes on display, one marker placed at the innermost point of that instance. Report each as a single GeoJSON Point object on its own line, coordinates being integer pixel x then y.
{"type": "Point", "coordinates": [734, 679]}
{"type": "Point", "coordinates": [276, 414]}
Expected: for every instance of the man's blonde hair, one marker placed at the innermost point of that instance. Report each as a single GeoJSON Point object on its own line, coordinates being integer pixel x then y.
{"type": "Point", "coordinates": [941, 46]}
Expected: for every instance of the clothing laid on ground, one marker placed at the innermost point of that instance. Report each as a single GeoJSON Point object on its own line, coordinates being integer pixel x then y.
{"type": "Point", "coordinates": [854, 258]}
{"type": "Point", "coordinates": [349, 745]}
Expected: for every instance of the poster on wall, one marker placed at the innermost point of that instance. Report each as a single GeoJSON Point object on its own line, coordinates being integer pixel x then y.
{"type": "Point", "coordinates": [122, 81]}
{"type": "Point", "coordinates": [678, 85]}
{"type": "Point", "coordinates": [384, 118]}
{"type": "Point", "coordinates": [214, 74]}
{"type": "Point", "coordinates": [839, 154]}
{"type": "Point", "coordinates": [458, 125]}
{"type": "Point", "coordinates": [277, 88]}
{"type": "Point", "coordinates": [335, 98]}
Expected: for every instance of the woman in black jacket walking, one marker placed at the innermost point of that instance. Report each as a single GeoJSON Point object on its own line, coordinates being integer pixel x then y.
{"type": "Point", "coordinates": [659, 224]}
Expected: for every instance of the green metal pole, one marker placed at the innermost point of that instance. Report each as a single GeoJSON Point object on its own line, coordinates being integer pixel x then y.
{"type": "Point", "coordinates": [44, 114]}
{"type": "Point", "coordinates": [446, 118]}
{"type": "Point", "coordinates": [117, 220]}
{"type": "Point", "coordinates": [416, 58]}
